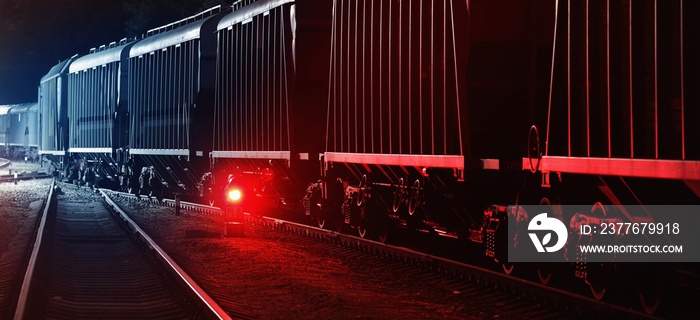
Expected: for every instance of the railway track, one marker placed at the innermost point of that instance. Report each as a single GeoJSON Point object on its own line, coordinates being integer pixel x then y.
{"type": "Point", "coordinates": [516, 297]}
{"type": "Point", "coordinates": [80, 226]}
{"type": "Point", "coordinates": [90, 261]}
{"type": "Point", "coordinates": [23, 176]}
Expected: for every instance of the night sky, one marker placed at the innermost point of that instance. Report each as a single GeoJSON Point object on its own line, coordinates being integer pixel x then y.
{"type": "Point", "coordinates": [37, 34]}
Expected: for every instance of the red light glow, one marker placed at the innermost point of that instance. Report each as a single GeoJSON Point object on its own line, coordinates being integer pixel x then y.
{"type": "Point", "coordinates": [234, 195]}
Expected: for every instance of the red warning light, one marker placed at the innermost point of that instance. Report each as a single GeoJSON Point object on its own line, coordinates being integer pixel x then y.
{"type": "Point", "coordinates": [235, 195]}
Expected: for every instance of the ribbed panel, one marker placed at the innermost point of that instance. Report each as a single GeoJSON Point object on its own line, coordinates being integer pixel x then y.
{"type": "Point", "coordinates": [48, 105]}
{"type": "Point", "coordinates": [395, 77]}
{"type": "Point", "coordinates": [162, 86]}
{"type": "Point", "coordinates": [254, 71]}
{"type": "Point", "coordinates": [92, 101]}
{"type": "Point", "coordinates": [622, 74]}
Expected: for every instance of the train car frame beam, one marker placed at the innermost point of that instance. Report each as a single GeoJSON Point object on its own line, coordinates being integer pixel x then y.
{"type": "Point", "coordinates": [284, 155]}
{"type": "Point", "coordinates": [408, 160]}
{"type": "Point", "coordinates": [90, 150]}
{"type": "Point", "coordinates": [52, 152]}
{"type": "Point", "coordinates": [161, 152]}
{"type": "Point", "coordinates": [639, 168]}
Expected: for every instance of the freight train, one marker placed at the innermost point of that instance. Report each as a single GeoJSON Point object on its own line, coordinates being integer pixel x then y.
{"type": "Point", "coordinates": [373, 115]}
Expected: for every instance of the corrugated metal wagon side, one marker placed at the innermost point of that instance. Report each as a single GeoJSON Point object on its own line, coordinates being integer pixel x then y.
{"type": "Point", "coordinates": [621, 102]}
{"type": "Point", "coordinates": [397, 84]}
{"type": "Point", "coordinates": [618, 127]}
{"type": "Point", "coordinates": [271, 92]}
{"type": "Point", "coordinates": [18, 130]}
{"type": "Point", "coordinates": [53, 113]}
{"type": "Point", "coordinates": [396, 119]}
{"type": "Point", "coordinates": [97, 105]}
{"type": "Point", "coordinates": [171, 88]}
{"type": "Point", "coordinates": [24, 125]}
{"type": "Point", "coordinates": [5, 126]}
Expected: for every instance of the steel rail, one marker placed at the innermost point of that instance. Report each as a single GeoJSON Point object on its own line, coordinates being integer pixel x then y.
{"type": "Point", "coordinates": [198, 291]}
{"type": "Point", "coordinates": [552, 296]}
{"type": "Point", "coordinates": [455, 269]}
{"type": "Point", "coordinates": [21, 309]}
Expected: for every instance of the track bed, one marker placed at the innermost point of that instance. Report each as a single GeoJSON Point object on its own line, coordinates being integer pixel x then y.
{"type": "Point", "coordinates": [91, 266]}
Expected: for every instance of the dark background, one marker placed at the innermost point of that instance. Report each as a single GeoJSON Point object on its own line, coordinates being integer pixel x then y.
{"type": "Point", "coordinates": [37, 34]}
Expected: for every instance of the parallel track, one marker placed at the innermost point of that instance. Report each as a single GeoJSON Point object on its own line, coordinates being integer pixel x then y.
{"type": "Point", "coordinates": [517, 294]}
{"type": "Point", "coordinates": [23, 176]}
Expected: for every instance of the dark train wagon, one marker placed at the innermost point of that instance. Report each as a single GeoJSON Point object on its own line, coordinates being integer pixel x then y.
{"type": "Point", "coordinates": [171, 85]}
{"type": "Point", "coordinates": [23, 125]}
{"type": "Point", "coordinates": [271, 97]}
{"type": "Point", "coordinates": [53, 112]}
{"type": "Point", "coordinates": [398, 105]}
{"type": "Point", "coordinates": [97, 107]}
{"type": "Point", "coordinates": [637, 115]}
{"type": "Point", "coordinates": [590, 101]}
{"type": "Point", "coordinates": [18, 130]}
{"type": "Point", "coordinates": [5, 127]}
{"type": "Point", "coordinates": [619, 127]}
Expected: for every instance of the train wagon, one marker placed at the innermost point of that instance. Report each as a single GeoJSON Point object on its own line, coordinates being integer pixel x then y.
{"type": "Point", "coordinates": [53, 112]}
{"type": "Point", "coordinates": [269, 114]}
{"type": "Point", "coordinates": [440, 115]}
{"type": "Point", "coordinates": [618, 127]}
{"type": "Point", "coordinates": [171, 85]}
{"type": "Point", "coordinates": [5, 127]}
{"type": "Point", "coordinates": [397, 130]}
{"type": "Point", "coordinates": [620, 102]}
{"type": "Point", "coordinates": [18, 130]}
{"type": "Point", "coordinates": [97, 108]}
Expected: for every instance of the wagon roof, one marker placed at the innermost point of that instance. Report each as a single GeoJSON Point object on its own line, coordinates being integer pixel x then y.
{"type": "Point", "coordinates": [99, 58]}
{"type": "Point", "coordinates": [57, 70]}
{"type": "Point", "coordinates": [249, 12]}
{"type": "Point", "coordinates": [169, 38]}
{"type": "Point", "coordinates": [18, 108]}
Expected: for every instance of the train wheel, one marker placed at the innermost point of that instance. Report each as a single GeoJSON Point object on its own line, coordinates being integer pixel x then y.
{"type": "Point", "coordinates": [544, 272]}
{"type": "Point", "coordinates": [651, 289]}
{"type": "Point", "coordinates": [507, 267]}
{"type": "Point", "coordinates": [364, 222]}
{"type": "Point", "coordinates": [333, 224]}
{"type": "Point", "coordinates": [383, 230]}
{"type": "Point", "coordinates": [533, 147]}
{"type": "Point", "coordinates": [398, 195]}
{"type": "Point", "coordinates": [330, 222]}
{"type": "Point", "coordinates": [337, 224]}
{"type": "Point", "coordinates": [544, 275]}
{"type": "Point", "coordinates": [362, 192]}
{"type": "Point", "coordinates": [598, 294]}
{"type": "Point", "coordinates": [650, 301]}
{"type": "Point", "coordinates": [597, 279]}
{"type": "Point", "coordinates": [384, 226]}
{"type": "Point", "coordinates": [598, 274]}
{"type": "Point", "coordinates": [362, 231]}
{"type": "Point", "coordinates": [414, 199]}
